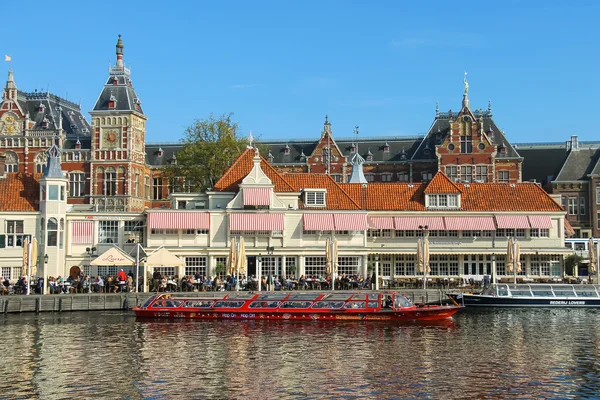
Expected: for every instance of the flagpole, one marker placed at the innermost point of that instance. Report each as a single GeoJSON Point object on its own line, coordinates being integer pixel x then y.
{"type": "Point", "coordinates": [597, 250]}
{"type": "Point", "coordinates": [137, 266]}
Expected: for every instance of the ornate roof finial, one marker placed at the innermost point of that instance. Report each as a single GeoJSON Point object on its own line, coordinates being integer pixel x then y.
{"type": "Point", "coordinates": [326, 119]}
{"type": "Point", "coordinates": [250, 140]}
{"type": "Point", "coordinates": [437, 109]}
{"type": "Point", "coordinates": [489, 109]}
{"type": "Point", "coordinates": [465, 102]}
{"type": "Point", "coordinates": [119, 48]}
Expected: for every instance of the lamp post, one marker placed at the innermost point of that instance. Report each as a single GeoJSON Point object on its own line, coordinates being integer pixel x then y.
{"type": "Point", "coordinates": [258, 271]}
{"type": "Point", "coordinates": [270, 250]}
{"type": "Point", "coordinates": [90, 251]}
{"type": "Point", "coordinates": [494, 274]}
{"type": "Point", "coordinates": [425, 230]}
{"type": "Point", "coordinates": [376, 283]}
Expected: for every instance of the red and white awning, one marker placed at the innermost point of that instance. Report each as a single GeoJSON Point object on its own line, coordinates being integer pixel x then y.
{"type": "Point", "coordinates": [540, 221]}
{"type": "Point", "coordinates": [257, 196]}
{"type": "Point", "coordinates": [178, 220]}
{"type": "Point", "coordinates": [256, 222]}
{"type": "Point", "coordinates": [350, 222]}
{"type": "Point", "coordinates": [470, 223]}
{"type": "Point", "coordinates": [381, 222]}
{"type": "Point", "coordinates": [82, 232]}
{"type": "Point", "coordinates": [318, 222]}
{"type": "Point", "coordinates": [413, 223]}
{"type": "Point", "coordinates": [512, 222]}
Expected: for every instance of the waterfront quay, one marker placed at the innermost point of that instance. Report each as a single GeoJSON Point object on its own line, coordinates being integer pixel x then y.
{"type": "Point", "coordinates": [126, 301]}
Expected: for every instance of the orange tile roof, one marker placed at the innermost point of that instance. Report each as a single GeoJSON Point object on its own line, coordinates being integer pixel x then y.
{"type": "Point", "coordinates": [241, 167]}
{"type": "Point", "coordinates": [441, 184]}
{"type": "Point", "coordinates": [336, 198]}
{"type": "Point", "coordinates": [394, 196]}
{"type": "Point", "coordinates": [19, 192]}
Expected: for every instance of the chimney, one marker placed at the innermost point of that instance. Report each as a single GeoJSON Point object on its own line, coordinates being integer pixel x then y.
{"type": "Point", "coordinates": [574, 143]}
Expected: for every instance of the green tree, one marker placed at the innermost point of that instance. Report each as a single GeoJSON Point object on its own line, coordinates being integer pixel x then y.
{"type": "Point", "coordinates": [210, 146]}
{"type": "Point", "coordinates": [571, 262]}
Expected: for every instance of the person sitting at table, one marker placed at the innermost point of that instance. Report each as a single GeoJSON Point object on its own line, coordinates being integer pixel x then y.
{"type": "Point", "coordinates": [86, 284]}
{"type": "Point", "coordinates": [277, 283]}
{"type": "Point", "coordinates": [302, 284]}
{"type": "Point", "coordinates": [4, 286]}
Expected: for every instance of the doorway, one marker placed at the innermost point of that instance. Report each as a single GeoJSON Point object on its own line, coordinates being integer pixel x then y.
{"type": "Point", "coordinates": [251, 266]}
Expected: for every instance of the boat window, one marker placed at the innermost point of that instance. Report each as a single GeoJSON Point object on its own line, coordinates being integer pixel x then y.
{"type": "Point", "coordinates": [355, 305]}
{"type": "Point", "coordinates": [272, 296]}
{"type": "Point", "coordinates": [304, 296]}
{"type": "Point", "coordinates": [564, 293]}
{"type": "Point", "coordinates": [374, 304]}
{"type": "Point", "coordinates": [150, 300]}
{"type": "Point", "coordinates": [543, 293]}
{"type": "Point", "coordinates": [166, 304]}
{"type": "Point", "coordinates": [373, 296]}
{"type": "Point", "coordinates": [229, 304]}
{"type": "Point", "coordinates": [240, 296]}
{"type": "Point", "coordinates": [402, 302]}
{"type": "Point", "coordinates": [198, 303]}
{"type": "Point", "coordinates": [585, 292]}
{"type": "Point", "coordinates": [502, 290]}
{"type": "Point", "coordinates": [337, 296]}
{"type": "Point", "coordinates": [359, 296]}
{"type": "Point", "coordinates": [520, 292]}
{"type": "Point", "coordinates": [264, 304]}
{"type": "Point", "coordinates": [296, 304]}
{"type": "Point", "coordinates": [328, 304]}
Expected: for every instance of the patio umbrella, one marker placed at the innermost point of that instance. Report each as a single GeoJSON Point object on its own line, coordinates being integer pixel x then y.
{"type": "Point", "coordinates": [420, 260]}
{"type": "Point", "coordinates": [327, 256]}
{"type": "Point", "coordinates": [509, 257]}
{"type": "Point", "coordinates": [426, 254]}
{"type": "Point", "coordinates": [34, 256]}
{"type": "Point", "coordinates": [26, 256]}
{"type": "Point", "coordinates": [592, 256]}
{"type": "Point", "coordinates": [334, 255]}
{"type": "Point", "coordinates": [241, 258]}
{"type": "Point", "coordinates": [517, 256]}
{"type": "Point", "coordinates": [232, 258]}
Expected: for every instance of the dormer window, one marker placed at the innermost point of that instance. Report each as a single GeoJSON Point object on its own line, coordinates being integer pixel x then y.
{"type": "Point", "coordinates": [369, 156]}
{"type": "Point", "coordinates": [270, 157]}
{"type": "Point", "coordinates": [314, 197]}
{"type": "Point", "coordinates": [502, 149]}
{"type": "Point", "coordinates": [112, 102]}
{"type": "Point", "coordinates": [45, 123]}
{"type": "Point", "coordinates": [41, 107]}
{"type": "Point", "coordinates": [302, 156]}
{"type": "Point", "coordinates": [442, 201]}
{"type": "Point", "coordinates": [352, 149]}
{"type": "Point", "coordinates": [160, 152]}
{"type": "Point", "coordinates": [386, 148]}
{"type": "Point", "coordinates": [78, 144]}
{"type": "Point", "coordinates": [286, 150]}
{"type": "Point", "coordinates": [115, 81]}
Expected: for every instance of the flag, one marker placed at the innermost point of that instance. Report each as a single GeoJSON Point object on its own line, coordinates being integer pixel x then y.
{"type": "Point", "coordinates": [7, 58]}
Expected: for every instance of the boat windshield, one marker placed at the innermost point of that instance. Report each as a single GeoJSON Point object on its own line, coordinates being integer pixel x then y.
{"type": "Point", "coordinates": [402, 302]}
{"type": "Point", "coordinates": [150, 300]}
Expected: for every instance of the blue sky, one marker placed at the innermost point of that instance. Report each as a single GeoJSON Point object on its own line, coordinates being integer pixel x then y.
{"type": "Point", "coordinates": [281, 66]}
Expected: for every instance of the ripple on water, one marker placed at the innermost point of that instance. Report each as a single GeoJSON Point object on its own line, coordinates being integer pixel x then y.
{"type": "Point", "coordinates": [498, 353]}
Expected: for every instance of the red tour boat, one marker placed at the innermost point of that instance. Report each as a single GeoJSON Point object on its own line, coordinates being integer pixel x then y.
{"type": "Point", "coordinates": [325, 306]}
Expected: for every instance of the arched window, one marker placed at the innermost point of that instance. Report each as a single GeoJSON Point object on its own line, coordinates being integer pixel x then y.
{"type": "Point", "coordinates": [121, 179]}
{"type": "Point", "coordinates": [40, 160]}
{"type": "Point", "coordinates": [110, 182]}
{"type": "Point", "coordinates": [52, 229]}
{"type": "Point", "coordinates": [61, 234]}
{"type": "Point", "coordinates": [11, 162]}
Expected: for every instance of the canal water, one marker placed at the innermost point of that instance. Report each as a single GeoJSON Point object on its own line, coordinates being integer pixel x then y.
{"type": "Point", "coordinates": [479, 354]}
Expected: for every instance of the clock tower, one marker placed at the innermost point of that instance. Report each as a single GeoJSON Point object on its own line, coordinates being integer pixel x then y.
{"type": "Point", "coordinates": [119, 174]}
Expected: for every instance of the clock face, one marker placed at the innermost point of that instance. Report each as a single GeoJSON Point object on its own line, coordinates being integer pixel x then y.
{"type": "Point", "coordinates": [9, 119]}
{"type": "Point", "coordinates": [111, 138]}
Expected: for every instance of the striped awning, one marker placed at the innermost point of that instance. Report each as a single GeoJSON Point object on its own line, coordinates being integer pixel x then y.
{"type": "Point", "coordinates": [256, 222]}
{"type": "Point", "coordinates": [512, 222]}
{"type": "Point", "coordinates": [178, 220]}
{"type": "Point", "coordinates": [413, 223]}
{"type": "Point", "coordinates": [257, 196]}
{"type": "Point", "coordinates": [350, 222]}
{"type": "Point", "coordinates": [381, 222]}
{"type": "Point", "coordinates": [540, 221]}
{"type": "Point", "coordinates": [318, 222]}
{"type": "Point", "coordinates": [82, 232]}
{"type": "Point", "coordinates": [470, 223]}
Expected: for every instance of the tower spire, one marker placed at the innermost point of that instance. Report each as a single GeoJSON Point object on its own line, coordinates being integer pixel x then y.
{"type": "Point", "coordinates": [119, 49]}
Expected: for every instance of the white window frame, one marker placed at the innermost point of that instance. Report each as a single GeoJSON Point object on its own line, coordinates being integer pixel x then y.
{"type": "Point", "coordinates": [315, 197]}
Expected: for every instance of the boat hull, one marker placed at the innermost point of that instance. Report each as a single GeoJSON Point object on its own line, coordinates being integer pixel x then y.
{"type": "Point", "coordinates": [475, 300]}
{"type": "Point", "coordinates": [418, 314]}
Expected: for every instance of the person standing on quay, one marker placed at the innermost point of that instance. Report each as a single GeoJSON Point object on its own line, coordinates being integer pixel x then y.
{"type": "Point", "coordinates": [156, 278]}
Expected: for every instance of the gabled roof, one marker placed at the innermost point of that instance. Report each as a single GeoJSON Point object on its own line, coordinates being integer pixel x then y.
{"type": "Point", "coordinates": [579, 164]}
{"type": "Point", "coordinates": [336, 198]}
{"type": "Point", "coordinates": [20, 192]}
{"type": "Point", "coordinates": [441, 184]}
{"type": "Point", "coordinates": [241, 167]}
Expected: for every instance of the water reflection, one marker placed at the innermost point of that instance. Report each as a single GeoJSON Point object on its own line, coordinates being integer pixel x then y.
{"type": "Point", "coordinates": [506, 353]}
